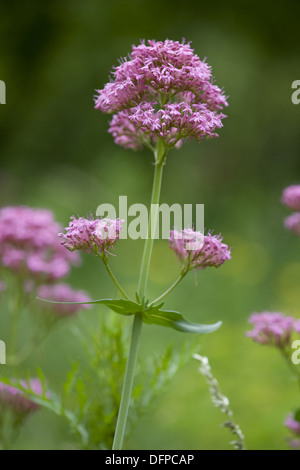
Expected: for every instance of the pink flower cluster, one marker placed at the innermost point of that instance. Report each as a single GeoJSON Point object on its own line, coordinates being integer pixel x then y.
{"type": "Point", "coordinates": [63, 293]}
{"type": "Point", "coordinates": [273, 328]}
{"type": "Point", "coordinates": [163, 90]}
{"type": "Point", "coordinates": [30, 248]}
{"type": "Point", "coordinates": [29, 244]}
{"type": "Point", "coordinates": [14, 398]}
{"type": "Point", "coordinates": [294, 426]}
{"type": "Point", "coordinates": [293, 223]}
{"type": "Point", "coordinates": [174, 122]}
{"type": "Point", "coordinates": [291, 199]}
{"type": "Point", "coordinates": [91, 235]}
{"type": "Point", "coordinates": [198, 251]}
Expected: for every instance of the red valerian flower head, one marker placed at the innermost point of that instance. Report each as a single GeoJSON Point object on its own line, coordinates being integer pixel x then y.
{"type": "Point", "coordinates": [162, 90]}
{"type": "Point", "coordinates": [291, 197]}
{"type": "Point", "coordinates": [96, 236]}
{"type": "Point", "coordinates": [29, 244]}
{"type": "Point", "coordinates": [272, 328]}
{"type": "Point", "coordinates": [293, 223]}
{"type": "Point", "coordinates": [197, 251]}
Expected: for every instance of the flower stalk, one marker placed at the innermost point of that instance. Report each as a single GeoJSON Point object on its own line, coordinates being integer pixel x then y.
{"type": "Point", "coordinates": [160, 155]}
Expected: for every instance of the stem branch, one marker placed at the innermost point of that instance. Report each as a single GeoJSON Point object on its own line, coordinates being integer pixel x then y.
{"type": "Point", "coordinates": [175, 284]}
{"type": "Point", "coordinates": [105, 261]}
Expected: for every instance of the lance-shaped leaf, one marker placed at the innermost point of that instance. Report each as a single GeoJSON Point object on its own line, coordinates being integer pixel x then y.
{"type": "Point", "coordinates": [176, 320]}
{"type": "Point", "coordinates": [151, 315]}
{"type": "Point", "coordinates": [121, 306]}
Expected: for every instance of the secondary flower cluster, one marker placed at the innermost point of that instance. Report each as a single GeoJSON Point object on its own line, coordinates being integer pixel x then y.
{"type": "Point", "coordinates": [29, 244]}
{"type": "Point", "coordinates": [197, 251]}
{"type": "Point", "coordinates": [91, 235]}
{"type": "Point", "coordinates": [15, 399]}
{"type": "Point", "coordinates": [30, 248]}
{"type": "Point", "coordinates": [163, 90]}
{"type": "Point", "coordinates": [294, 426]}
{"type": "Point", "coordinates": [273, 328]}
{"type": "Point", "coordinates": [63, 293]}
{"type": "Point", "coordinates": [131, 128]}
{"type": "Point", "coordinates": [291, 198]}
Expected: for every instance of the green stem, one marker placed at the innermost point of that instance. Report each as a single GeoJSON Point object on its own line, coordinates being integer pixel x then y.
{"type": "Point", "coordinates": [153, 217]}
{"type": "Point", "coordinates": [172, 287]}
{"type": "Point", "coordinates": [160, 154]}
{"type": "Point", "coordinates": [114, 279]}
{"type": "Point", "coordinates": [128, 383]}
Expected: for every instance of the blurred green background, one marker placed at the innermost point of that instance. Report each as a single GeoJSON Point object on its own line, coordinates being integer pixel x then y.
{"type": "Point", "coordinates": [55, 152]}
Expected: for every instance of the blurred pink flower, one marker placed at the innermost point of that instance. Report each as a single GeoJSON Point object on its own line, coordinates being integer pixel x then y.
{"type": "Point", "coordinates": [14, 398]}
{"type": "Point", "coordinates": [293, 223]}
{"type": "Point", "coordinates": [29, 244]}
{"type": "Point", "coordinates": [63, 293]}
{"type": "Point", "coordinates": [272, 328]}
{"type": "Point", "coordinates": [291, 197]}
{"type": "Point", "coordinates": [297, 326]}
{"type": "Point", "coordinates": [292, 424]}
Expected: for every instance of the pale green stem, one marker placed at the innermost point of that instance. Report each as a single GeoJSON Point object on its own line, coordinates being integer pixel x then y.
{"type": "Point", "coordinates": [172, 287]}
{"type": "Point", "coordinates": [114, 279]}
{"type": "Point", "coordinates": [128, 383]}
{"type": "Point", "coordinates": [160, 154]}
{"type": "Point", "coordinates": [153, 217]}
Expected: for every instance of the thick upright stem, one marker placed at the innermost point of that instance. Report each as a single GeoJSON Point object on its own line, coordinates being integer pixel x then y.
{"type": "Point", "coordinates": [151, 230]}
{"type": "Point", "coordinates": [128, 383]}
{"type": "Point", "coordinates": [138, 321]}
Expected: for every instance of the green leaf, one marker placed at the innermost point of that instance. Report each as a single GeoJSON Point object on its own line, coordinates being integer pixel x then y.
{"type": "Point", "coordinates": [176, 320]}
{"type": "Point", "coordinates": [81, 395]}
{"type": "Point", "coordinates": [121, 306]}
{"type": "Point", "coordinates": [70, 380]}
{"type": "Point", "coordinates": [152, 315]}
{"type": "Point", "coordinates": [50, 401]}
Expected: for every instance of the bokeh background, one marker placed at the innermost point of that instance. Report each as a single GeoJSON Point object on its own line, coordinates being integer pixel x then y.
{"type": "Point", "coordinates": [55, 152]}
